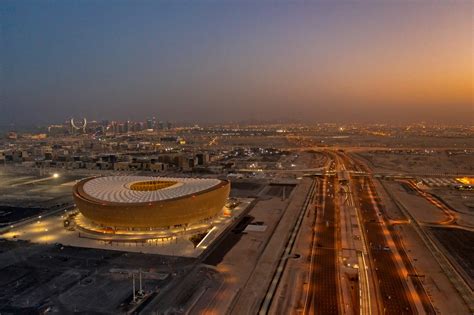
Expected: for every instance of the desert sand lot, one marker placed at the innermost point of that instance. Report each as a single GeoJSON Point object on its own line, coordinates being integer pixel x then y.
{"type": "Point", "coordinates": [437, 162]}
{"type": "Point", "coordinates": [22, 187]}
{"type": "Point", "coordinates": [461, 201]}
{"type": "Point", "coordinates": [422, 210]}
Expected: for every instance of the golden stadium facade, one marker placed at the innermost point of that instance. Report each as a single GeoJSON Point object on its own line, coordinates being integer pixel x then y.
{"type": "Point", "coordinates": [143, 202]}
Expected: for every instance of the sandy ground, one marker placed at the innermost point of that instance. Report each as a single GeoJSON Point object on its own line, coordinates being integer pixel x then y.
{"type": "Point", "coordinates": [461, 201]}
{"type": "Point", "coordinates": [437, 162]}
{"type": "Point", "coordinates": [421, 209]}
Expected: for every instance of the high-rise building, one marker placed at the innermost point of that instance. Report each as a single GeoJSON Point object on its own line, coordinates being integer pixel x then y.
{"type": "Point", "coordinates": [127, 126]}
{"type": "Point", "coordinates": [149, 124]}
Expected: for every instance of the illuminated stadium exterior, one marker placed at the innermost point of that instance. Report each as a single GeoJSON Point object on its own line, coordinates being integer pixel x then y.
{"type": "Point", "coordinates": [145, 203]}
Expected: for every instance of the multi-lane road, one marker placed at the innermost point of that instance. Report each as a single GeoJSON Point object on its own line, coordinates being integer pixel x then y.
{"type": "Point", "coordinates": [387, 282]}
{"type": "Point", "coordinates": [323, 292]}
{"type": "Point", "coordinates": [397, 294]}
{"type": "Point", "coordinates": [394, 293]}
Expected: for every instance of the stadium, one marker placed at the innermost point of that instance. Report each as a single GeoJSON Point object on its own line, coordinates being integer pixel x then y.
{"type": "Point", "coordinates": [155, 215]}
{"type": "Point", "coordinates": [143, 203]}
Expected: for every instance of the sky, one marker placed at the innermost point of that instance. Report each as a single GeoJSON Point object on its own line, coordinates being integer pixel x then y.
{"type": "Point", "coordinates": [229, 61]}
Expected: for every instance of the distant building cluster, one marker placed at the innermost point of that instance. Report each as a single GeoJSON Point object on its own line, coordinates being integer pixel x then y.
{"type": "Point", "coordinates": [71, 157]}
{"type": "Point", "coordinates": [107, 127]}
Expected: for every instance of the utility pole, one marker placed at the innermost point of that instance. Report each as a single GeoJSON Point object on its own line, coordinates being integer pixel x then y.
{"type": "Point", "coordinates": [141, 290]}
{"type": "Point", "coordinates": [133, 278]}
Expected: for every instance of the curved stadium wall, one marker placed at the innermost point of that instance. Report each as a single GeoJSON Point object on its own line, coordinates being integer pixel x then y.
{"type": "Point", "coordinates": [179, 210]}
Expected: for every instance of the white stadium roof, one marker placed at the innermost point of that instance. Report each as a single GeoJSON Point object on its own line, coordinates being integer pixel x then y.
{"type": "Point", "coordinates": [116, 188]}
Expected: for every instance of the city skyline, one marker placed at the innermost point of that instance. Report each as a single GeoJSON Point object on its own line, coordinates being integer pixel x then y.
{"type": "Point", "coordinates": [238, 61]}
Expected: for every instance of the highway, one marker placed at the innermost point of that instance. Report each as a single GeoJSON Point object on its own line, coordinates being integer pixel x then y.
{"type": "Point", "coordinates": [323, 292]}
{"type": "Point", "coordinates": [387, 281]}
{"type": "Point", "coordinates": [319, 290]}
{"type": "Point", "coordinates": [389, 259]}
{"type": "Point", "coordinates": [366, 288]}
{"type": "Point", "coordinates": [395, 295]}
